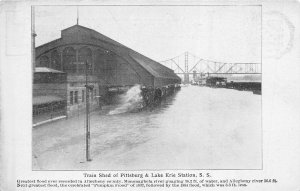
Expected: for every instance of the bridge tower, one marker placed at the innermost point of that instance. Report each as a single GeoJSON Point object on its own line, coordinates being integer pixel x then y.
{"type": "Point", "coordinates": [186, 68]}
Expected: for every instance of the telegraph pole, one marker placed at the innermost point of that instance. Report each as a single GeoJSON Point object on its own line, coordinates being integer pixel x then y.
{"type": "Point", "coordinates": [33, 35]}
{"type": "Point", "coordinates": [77, 16]}
{"type": "Point", "coordinates": [87, 102]}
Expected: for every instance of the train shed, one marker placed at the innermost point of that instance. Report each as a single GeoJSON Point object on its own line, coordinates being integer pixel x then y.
{"type": "Point", "coordinates": [81, 51]}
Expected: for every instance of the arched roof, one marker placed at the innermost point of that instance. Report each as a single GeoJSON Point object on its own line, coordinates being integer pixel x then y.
{"type": "Point", "coordinates": [81, 35]}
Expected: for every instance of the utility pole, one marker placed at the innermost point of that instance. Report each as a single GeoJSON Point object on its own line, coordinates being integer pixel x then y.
{"type": "Point", "coordinates": [77, 16]}
{"type": "Point", "coordinates": [87, 102]}
{"type": "Point", "coordinates": [33, 35]}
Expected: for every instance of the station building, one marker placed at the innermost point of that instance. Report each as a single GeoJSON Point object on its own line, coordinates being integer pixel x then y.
{"type": "Point", "coordinates": [83, 54]}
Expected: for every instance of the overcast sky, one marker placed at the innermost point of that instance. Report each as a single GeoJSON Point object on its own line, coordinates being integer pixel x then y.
{"type": "Point", "coordinates": [220, 33]}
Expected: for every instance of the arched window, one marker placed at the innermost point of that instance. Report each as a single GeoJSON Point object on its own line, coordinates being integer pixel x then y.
{"type": "Point", "coordinates": [100, 60]}
{"type": "Point", "coordinates": [85, 56]}
{"type": "Point", "coordinates": [111, 62]}
{"type": "Point", "coordinates": [44, 61]}
{"type": "Point", "coordinates": [55, 60]}
{"type": "Point", "coordinates": [69, 59]}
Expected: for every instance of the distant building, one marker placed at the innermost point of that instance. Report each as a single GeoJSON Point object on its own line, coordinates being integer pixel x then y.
{"type": "Point", "coordinates": [109, 64]}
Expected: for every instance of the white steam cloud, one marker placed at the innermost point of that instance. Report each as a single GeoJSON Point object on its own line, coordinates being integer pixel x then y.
{"type": "Point", "coordinates": [130, 101]}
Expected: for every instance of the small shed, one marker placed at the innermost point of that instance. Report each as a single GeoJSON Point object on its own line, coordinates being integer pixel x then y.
{"type": "Point", "coordinates": [49, 94]}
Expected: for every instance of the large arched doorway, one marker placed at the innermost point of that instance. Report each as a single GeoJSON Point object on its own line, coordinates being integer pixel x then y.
{"type": "Point", "coordinates": [85, 57]}
{"type": "Point", "coordinates": [69, 59]}
{"type": "Point", "coordinates": [100, 60]}
{"type": "Point", "coordinates": [55, 60]}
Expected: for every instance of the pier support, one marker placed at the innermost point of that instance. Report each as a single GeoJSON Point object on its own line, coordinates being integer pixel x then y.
{"type": "Point", "coordinates": [186, 68]}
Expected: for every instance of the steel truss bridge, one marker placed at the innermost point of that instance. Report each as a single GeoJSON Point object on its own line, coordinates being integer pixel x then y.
{"type": "Point", "coordinates": [188, 64]}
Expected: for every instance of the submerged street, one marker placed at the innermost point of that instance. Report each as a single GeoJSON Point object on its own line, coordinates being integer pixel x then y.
{"type": "Point", "coordinates": [196, 128]}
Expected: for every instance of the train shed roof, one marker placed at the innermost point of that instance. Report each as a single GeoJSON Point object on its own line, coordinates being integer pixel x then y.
{"type": "Point", "coordinates": [91, 36]}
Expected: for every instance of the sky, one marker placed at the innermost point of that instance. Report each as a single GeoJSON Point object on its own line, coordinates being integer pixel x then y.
{"type": "Point", "coordinates": [220, 33]}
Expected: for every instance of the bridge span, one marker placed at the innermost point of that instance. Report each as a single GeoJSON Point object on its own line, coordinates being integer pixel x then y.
{"type": "Point", "coordinates": [189, 65]}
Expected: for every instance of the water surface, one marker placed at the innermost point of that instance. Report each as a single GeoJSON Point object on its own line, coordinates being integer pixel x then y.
{"type": "Point", "coordinates": [196, 128]}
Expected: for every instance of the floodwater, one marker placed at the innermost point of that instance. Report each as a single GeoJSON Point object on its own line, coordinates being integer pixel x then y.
{"type": "Point", "coordinates": [196, 128]}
